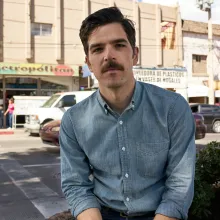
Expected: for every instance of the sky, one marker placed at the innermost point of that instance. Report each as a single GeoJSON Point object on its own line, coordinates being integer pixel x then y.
{"type": "Point", "coordinates": [189, 11]}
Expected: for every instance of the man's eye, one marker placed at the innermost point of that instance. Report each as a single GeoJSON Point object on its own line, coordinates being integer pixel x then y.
{"type": "Point", "coordinates": [96, 50]}
{"type": "Point", "coordinates": [120, 45]}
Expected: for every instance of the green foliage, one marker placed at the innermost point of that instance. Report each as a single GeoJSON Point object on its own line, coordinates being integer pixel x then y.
{"type": "Point", "coordinates": [208, 163]}
{"type": "Point", "coordinates": [207, 175]}
{"type": "Point", "coordinates": [203, 196]}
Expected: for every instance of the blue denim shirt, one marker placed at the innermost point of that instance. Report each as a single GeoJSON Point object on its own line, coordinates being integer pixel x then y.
{"type": "Point", "coordinates": [142, 160]}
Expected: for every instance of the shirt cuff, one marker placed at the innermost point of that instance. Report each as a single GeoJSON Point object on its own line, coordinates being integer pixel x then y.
{"type": "Point", "coordinates": [86, 204]}
{"type": "Point", "coordinates": [171, 210]}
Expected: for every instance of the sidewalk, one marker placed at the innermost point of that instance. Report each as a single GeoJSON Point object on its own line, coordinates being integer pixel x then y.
{"type": "Point", "coordinates": [26, 196]}
{"type": "Point", "coordinates": [6, 131]}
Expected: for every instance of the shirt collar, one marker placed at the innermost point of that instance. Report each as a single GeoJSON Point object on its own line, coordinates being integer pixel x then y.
{"type": "Point", "coordinates": [132, 105]}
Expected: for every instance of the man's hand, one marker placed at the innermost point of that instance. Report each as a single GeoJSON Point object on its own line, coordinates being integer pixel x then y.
{"type": "Point", "coordinates": [90, 214]}
{"type": "Point", "coordinates": [52, 124]}
{"type": "Point", "coordinates": [163, 217]}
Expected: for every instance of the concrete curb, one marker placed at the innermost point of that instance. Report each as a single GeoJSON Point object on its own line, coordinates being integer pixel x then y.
{"type": "Point", "coordinates": [6, 132]}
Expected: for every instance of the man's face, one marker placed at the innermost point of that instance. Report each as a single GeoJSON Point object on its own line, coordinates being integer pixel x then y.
{"type": "Point", "coordinates": [110, 56]}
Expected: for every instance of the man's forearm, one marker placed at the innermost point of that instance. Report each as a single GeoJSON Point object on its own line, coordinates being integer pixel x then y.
{"type": "Point", "coordinates": [90, 214]}
{"type": "Point", "coordinates": [163, 217]}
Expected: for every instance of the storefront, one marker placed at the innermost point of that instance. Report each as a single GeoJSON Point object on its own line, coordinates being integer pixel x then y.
{"type": "Point", "coordinates": [36, 80]}
{"type": "Point", "coordinates": [174, 79]}
{"type": "Point", "coordinates": [198, 93]}
{"type": "Point", "coordinates": [217, 97]}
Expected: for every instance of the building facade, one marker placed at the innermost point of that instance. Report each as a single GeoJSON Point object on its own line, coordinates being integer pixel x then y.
{"type": "Point", "coordinates": [199, 63]}
{"type": "Point", "coordinates": [41, 52]}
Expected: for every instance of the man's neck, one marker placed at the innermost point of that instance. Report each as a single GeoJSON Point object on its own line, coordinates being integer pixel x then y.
{"type": "Point", "coordinates": [119, 98]}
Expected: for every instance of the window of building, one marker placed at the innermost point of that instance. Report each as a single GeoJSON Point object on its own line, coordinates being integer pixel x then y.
{"type": "Point", "coordinates": [21, 83]}
{"type": "Point", "coordinates": [40, 29]}
{"type": "Point", "coordinates": [49, 88]}
{"type": "Point", "coordinates": [199, 64]}
{"type": "Point", "coordinates": [168, 32]}
{"type": "Point", "coordinates": [197, 58]}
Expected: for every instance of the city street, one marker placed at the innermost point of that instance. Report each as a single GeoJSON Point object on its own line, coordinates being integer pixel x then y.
{"type": "Point", "coordinates": [30, 177]}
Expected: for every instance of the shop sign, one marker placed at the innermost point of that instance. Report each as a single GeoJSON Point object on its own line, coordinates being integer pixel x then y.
{"type": "Point", "coordinates": [28, 105]}
{"type": "Point", "coordinates": [38, 69]}
{"type": "Point", "coordinates": [165, 78]}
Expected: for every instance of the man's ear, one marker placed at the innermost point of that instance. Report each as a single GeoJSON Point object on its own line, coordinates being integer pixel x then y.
{"type": "Point", "coordinates": [135, 56]}
{"type": "Point", "coordinates": [88, 63]}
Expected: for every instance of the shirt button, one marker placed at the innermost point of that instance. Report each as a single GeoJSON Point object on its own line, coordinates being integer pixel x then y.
{"type": "Point", "coordinates": [127, 199]}
{"type": "Point", "coordinates": [126, 175]}
{"type": "Point", "coordinates": [123, 148]}
{"type": "Point", "coordinates": [120, 122]}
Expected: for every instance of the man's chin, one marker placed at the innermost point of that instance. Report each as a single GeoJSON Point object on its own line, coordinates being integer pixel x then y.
{"type": "Point", "coordinates": [114, 85]}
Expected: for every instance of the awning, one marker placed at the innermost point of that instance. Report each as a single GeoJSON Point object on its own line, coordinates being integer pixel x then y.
{"type": "Point", "coordinates": [198, 91]}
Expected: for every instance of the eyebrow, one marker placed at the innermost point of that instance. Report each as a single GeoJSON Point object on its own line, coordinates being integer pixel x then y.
{"type": "Point", "coordinates": [121, 40]}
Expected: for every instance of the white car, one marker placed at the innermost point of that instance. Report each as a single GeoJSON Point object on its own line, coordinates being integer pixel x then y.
{"type": "Point", "coordinates": [53, 109]}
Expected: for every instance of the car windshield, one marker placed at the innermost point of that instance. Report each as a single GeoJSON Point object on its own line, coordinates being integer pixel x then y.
{"type": "Point", "coordinates": [50, 101]}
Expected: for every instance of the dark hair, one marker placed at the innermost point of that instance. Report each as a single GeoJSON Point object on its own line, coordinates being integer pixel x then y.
{"type": "Point", "coordinates": [103, 17]}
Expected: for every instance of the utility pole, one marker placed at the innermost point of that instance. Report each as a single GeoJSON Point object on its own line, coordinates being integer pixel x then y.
{"type": "Point", "coordinates": [205, 5]}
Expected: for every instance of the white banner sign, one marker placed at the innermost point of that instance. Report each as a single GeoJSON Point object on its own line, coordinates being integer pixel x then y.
{"type": "Point", "coordinates": [165, 78]}
{"type": "Point", "coordinates": [27, 105]}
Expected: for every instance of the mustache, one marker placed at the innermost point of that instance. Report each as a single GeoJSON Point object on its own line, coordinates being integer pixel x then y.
{"type": "Point", "coordinates": [112, 65]}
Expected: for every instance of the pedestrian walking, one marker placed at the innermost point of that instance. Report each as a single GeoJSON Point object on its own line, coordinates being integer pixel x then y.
{"type": "Point", "coordinates": [128, 150]}
{"type": "Point", "coordinates": [10, 112]}
{"type": "Point", "coordinates": [1, 116]}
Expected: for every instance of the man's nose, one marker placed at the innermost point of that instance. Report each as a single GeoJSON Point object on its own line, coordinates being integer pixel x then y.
{"type": "Point", "coordinates": [109, 53]}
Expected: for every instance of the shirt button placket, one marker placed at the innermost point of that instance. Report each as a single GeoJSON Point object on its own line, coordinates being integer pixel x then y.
{"type": "Point", "coordinates": [123, 149]}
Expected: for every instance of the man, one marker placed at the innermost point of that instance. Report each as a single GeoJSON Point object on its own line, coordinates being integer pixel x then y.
{"type": "Point", "coordinates": [136, 139]}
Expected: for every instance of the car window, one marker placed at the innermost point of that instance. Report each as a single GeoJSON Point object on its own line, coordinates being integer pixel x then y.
{"type": "Point", "coordinates": [50, 101]}
{"type": "Point", "coordinates": [194, 109]}
{"type": "Point", "coordinates": [216, 109]}
{"type": "Point", "coordinates": [206, 108]}
{"type": "Point", "coordinates": [69, 100]}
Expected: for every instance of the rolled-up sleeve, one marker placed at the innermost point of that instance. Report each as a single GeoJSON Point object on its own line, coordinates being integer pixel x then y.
{"type": "Point", "coordinates": [180, 171]}
{"type": "Point", "coordinates": [75, 170]}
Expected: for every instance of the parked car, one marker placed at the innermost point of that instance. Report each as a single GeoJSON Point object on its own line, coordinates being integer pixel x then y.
{"type": "Point", "coordinates": [201, 128]}
{"type": "Point", "coordinates": [211, 114]}
{"type": "Point", "coordinates": [50, 136]}
{"type": "Point", "coordinates": [53, 109]}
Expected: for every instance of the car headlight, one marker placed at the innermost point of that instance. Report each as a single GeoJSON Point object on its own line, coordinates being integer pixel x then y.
{"type": "Point", "coordinates": [34, 118]}
{"type": "Point", "coordinates": [27, 119]}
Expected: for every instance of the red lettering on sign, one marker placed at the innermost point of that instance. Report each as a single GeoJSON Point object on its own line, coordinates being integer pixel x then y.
{"type": "Point", "coordinates": [63, 70]}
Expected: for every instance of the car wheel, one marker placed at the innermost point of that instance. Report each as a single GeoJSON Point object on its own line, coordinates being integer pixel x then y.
{"type": "Point", "coordinates": [216, 127]}
{"type": "Point", "coordinates": [34, 134]}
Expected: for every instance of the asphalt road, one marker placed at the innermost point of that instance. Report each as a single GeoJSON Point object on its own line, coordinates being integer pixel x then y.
{"type": "Point", "coordinates": [30, 177]}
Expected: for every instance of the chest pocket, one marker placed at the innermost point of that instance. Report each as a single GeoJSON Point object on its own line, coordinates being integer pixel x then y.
{"type": "Point", "coordinates": [151, 158]}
